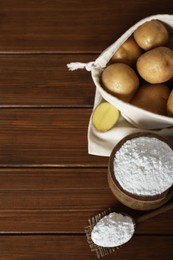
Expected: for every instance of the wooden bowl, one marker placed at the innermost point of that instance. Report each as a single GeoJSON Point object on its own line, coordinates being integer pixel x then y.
{"type": "Point", "coordinates": [135, 201]}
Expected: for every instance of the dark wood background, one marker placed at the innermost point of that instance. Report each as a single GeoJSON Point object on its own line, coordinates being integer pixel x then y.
{"type": "Point", "coordinates": [49, 185]}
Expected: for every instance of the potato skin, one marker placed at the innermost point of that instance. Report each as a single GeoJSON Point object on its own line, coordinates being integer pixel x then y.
{"type": "Point", "coordinates": [120, 80]}
{"type": "Point", "coordinates": [151, 34]}
{"type": "Point", "coordinates": [128, 52]}
{"type": "Point", "coordinates": [152, 98]}
{"type": "Point", "coordinates": [156, 66]}
{"type": "Point", "coordinates": [170, 105]}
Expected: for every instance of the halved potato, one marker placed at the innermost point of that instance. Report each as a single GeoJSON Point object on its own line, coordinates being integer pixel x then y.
{"type": "Point", "coordinates": [105, 116]}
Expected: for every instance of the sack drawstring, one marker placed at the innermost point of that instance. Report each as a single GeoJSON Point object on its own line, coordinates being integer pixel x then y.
{"type": "Point", "coordinates": [80, 65]}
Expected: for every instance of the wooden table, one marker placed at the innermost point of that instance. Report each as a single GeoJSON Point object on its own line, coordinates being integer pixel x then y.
{"type": "Point", "coordinates": [49, 185]}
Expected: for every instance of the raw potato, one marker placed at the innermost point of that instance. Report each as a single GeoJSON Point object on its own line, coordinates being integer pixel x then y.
{"type": "Point", "coordinates": [170, 104]}
{"type": "Point", "coordinates": [120, 80]}
{"type": "Point", "coordinates": [105, 117]}
{"type": "Point", "coordinates": [128, 53]}
{"type": "Point", "coordinates": [156, 66]}
{"type": "Point", "coordinates": [151, 34]}
{"type": "Point", "coordinates": [152, 98]}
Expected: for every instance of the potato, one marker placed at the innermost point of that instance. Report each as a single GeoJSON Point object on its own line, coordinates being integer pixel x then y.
{"type": "Point", "coordinates": [156, 66]}
{"type": "Point", "coordinates": [152, 98]}
{"type": "Point", "coordinates": [105, 116]}
{"type": "Point", "coordinates": [170, 104]}
{"type": "Point", "coordinates": [120, 80]}
{"type": "Point", "coordinates": [128, 53]}
{"type": "Point", "coordinates": [151, 34]}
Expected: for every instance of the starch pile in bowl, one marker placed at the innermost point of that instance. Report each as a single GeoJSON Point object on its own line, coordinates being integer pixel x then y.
{"type": "Point", "coordinates": [143, 166]}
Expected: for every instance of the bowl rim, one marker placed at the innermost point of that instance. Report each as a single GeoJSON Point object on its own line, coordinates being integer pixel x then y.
{"type": "Point", "coordinates": [111, 167]}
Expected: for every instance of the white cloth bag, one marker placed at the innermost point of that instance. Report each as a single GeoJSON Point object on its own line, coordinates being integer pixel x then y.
{"type": "Point", "coordinates": [132, 119]}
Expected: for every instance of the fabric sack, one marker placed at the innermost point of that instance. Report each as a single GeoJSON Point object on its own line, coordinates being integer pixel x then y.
{"type": "Point", "coordinates": [133, 119]}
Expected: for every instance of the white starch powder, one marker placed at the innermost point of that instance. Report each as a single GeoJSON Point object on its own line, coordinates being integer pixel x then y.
{"type": "Point", "coordinates": [144, 166]}
{"type": "Point", "coordinates": [113, 230]}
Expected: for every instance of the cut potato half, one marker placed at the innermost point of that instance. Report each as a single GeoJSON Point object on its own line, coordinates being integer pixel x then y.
{"type": "Point", "coordinates": [105, 116]}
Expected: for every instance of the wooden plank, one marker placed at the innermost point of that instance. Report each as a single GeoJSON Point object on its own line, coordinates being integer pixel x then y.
{"type": "Point", "coordinates": [46, 137]}
{"type": "Point", "coordinates": [70, 26]}
{"type": "Point", "coordinates": [46, 221]}
{"type": "Point", "coordinates": [60, 199]}
{"type": "Point", "coordinates": [72, 221]}
{"type": "Point", "coordinates": [67, 179]}
{"type": "Point", "coordinates": [63, 190]}
{"type": "Point", "coordinates": [51, 200]}
{"type": "Point", "coordinates": [44, 80]}
{"type": "Point", "coordinates": [75, 247]}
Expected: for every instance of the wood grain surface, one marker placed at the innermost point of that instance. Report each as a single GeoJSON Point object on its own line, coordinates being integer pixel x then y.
{"type": "Point", "coordinates": [75, 247]}
{"type": "Point", "coordinates": [71, 25]}
{"type": "Point", "coordinates": [44, 81]}
{"type": "Point", "coordinates": [49, 185]}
